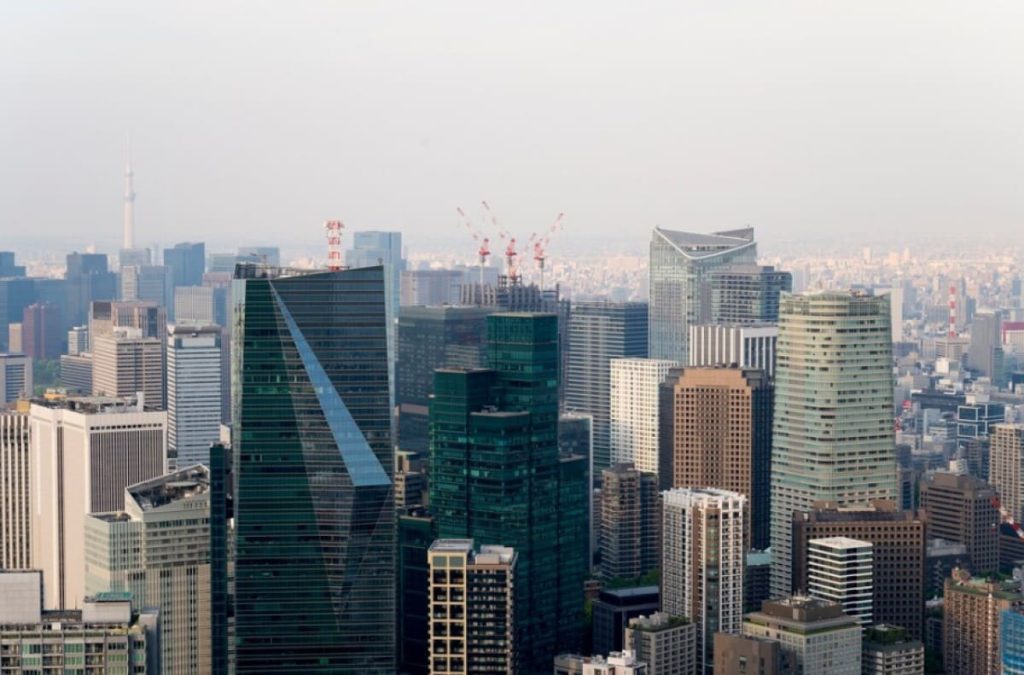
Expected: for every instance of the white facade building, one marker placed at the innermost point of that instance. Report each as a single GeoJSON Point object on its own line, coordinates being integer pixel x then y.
{"type": "Point", "coordinates": [194, 389]}
{"type": "Point", "coordinates": [634, 411]}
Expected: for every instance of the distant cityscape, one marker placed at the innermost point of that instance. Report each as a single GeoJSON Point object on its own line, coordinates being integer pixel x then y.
{"type": "Point", "coordinates": [377, 460]}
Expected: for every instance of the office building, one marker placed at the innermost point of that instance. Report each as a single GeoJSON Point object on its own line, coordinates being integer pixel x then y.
{"type": "Point", "coordinates": [15, 378]}
{"type": "Point", "coordinates": [148, 317]}
{"type": "Point", "coordinates": [834, 408]}
{"type": "Point", "coordinates": [746, 346]}
{"type": "Point", "coordinates": [430, 338]}
{"type": "Point", "coordinates": [86, 452]}
{"type": "Point", "coordinates": [667, 644]}
{"type": "Point", "coordinates": [899, 547]}
{"type": "Point", "coordinates": [76, 373]}
{"type": "Point", "coordinates": [716, 431]}
{"type": "Point", "coordinates": [15, 295]}
{"type": "Point", "coordinates": [630, 523]}
{"type": "Point", "coordinates": [888, 650]}
{"type": "Point", "coordinates": [430, 287]}
{"type": "Point", "coordinates": [87, 280]}
{"type": "Point", "coordinates": [124, 363]}
{"type": "Point", "coordinates": [703, 549]}
{"type": "Point", "coordinates": [814, 634]}
{"type": "Point", "coordinates": [744, 294]}
{"type": "Point", "coordinates": [634, 409]}
{"type": "Point", "coordinates": [598, 333]}
{"type": "Point", "coordinates": [415, 535]}
{"type": "Point", "coordinates": [158, 549]}
{"type": "Point", "coordinates": [970, 625]}
{"type": "Point", "coordinates": [78, 340]}
{"type": "Point", "coordinates": [193, 392]}
{"type": "Point", "coordinates": [105, 636]}
{"type": "Point", "coordinates": [960, 508]}
{"type": "Point", "coordinates": [410, 480]}
{"type": "Point", "coordinates": [15, 344]}
{"type": "Point", "coordinates": [680, 264]}
{"type": "Point", "coordinates": [148, 283]}
{"type": "Point", "coordinates": [1011, 641]}
{"type": "Point", "coordinates": [42, 331]}
{"type": "Point", "coordinates": [840, 569]}
{"type": "Point", "coordinates": [497, 474]}
{"type": "Point", "coordinates": [7, 266]}
{"type": "Point", "coordinates": [744, 655]}
{"type": "Point", "coordinates": [975, 419]}
{"type": "Point", "coordinates": [15, 490]}
{"type": "Point", "coordinates": [985, 353]}
{"type": "Point", "coordinates": [201, 306]}
{"type": "Point", "coordinates": [187, 262]}
{"type": "Point", "coordinates": [1006, 467]}
{"type": "Point", "coordinates": [312, 592]}
{"type": "Point", "coordinates": [614, 608]}
{"type": "Point", "coordinates": [473, 608]}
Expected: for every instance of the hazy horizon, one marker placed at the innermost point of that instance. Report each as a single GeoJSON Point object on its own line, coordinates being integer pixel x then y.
{"type": "Point", "coordinates": [255, 122]}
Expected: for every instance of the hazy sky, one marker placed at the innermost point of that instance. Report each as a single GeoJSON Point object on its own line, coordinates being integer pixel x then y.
{"type": "Point", "coordinates": [256, 121]}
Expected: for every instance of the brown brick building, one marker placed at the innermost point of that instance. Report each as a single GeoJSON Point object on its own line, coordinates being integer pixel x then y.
{"type": "Point", "coordinates": [970, 627]}
{"type": "Point", "coordinates": [899, 542]}
{"type": "Point", "coordinates": [960, 509]}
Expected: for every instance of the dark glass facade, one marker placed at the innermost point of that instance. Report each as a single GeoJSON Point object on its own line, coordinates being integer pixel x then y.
{"type": "Point", "coordinates": [314, 553]}
{"type": "Point", "coordinates": [497, 476]}
{"type": "Point", "coordinates": [187, 262]}
{"type": "Point", "coordinates": [415, 534]}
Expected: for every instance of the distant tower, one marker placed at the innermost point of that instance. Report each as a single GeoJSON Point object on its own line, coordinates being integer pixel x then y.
{"type": "Point", "coordinates": [129, 204]}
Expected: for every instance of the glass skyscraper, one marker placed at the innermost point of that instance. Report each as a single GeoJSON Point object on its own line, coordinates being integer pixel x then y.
{"type": "Point", "coordinates": [497, 476]}
{"type": "Point", "coordinates": [314, 554]}
{"type": "Point", "coordinates": [1011, 641]}
{"type": "Point", "coordinates": [833, 433]}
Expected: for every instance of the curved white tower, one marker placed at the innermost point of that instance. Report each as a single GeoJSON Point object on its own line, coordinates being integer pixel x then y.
{"type": "Point", "coordinates": [129, 206]}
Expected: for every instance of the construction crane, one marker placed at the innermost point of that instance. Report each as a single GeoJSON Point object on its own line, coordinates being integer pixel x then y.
{"type": "Point", "coordinates": [511, 256]}
{"type": "Point", "coordinates": [540, 245]}
{"type": "Point", "coordinates": [485, 244]}
{"type": "Point", "coordinates": [1007, 518]}
{"type": "Point", "coordinates": [333, 229]}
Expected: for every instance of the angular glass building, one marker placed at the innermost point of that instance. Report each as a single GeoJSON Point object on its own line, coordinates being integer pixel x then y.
{"type": "Point", "coordinates": [680, 265]}
{"type": "Point", "coordinates": [314, 551]}
{"type": "Point", "coordinates": [833, 436]}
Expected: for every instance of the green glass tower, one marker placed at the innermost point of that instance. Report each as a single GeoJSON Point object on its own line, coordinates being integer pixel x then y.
{"type": "Point", "coordinates": [497, 477]}
{"type": "Point", "coordinates": [314, 541]}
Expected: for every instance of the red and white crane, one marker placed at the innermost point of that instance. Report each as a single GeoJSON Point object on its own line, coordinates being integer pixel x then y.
{"type": "Point", "coordinates": [485, 244]}
{"type": "Point", "coordinates": [540, 245]}
{"type": "Point", "coordinates": [511, 255]}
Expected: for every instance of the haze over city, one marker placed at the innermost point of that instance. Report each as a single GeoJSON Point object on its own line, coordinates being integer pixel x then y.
{"type": "Point", "coordinates": [257, 121]}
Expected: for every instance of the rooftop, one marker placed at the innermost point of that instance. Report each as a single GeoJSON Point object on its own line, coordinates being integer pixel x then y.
{"type": "Point", "coordinates": [91, 405]}
{"type": "Point", "coordinates": [182, 484]}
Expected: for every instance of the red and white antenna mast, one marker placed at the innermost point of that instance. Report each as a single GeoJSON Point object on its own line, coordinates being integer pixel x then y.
{"type": "Point", "coordinates": [485, 244]}
{"type": "Point", "coordinates": [333, 229]}
{"type": "Point", "coordinates": [540, 245]}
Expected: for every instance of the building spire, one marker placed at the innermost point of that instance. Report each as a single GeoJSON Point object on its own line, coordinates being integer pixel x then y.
{"type": "Point", "coordinates": [129, 200]}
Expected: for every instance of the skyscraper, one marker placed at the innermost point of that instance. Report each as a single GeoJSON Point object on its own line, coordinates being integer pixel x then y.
{"type": "Point", "coordinates": [680, 264]}
{"type": "Point", "coordinates": [985, 353]}
{"type": "Point", "coordinates": [833, 434]}
{"type": "Point", "coordinates": [702, 562]}
{"type": "Point", "coordinates": [630, 520]}
{"type": "Point", "coordinates": [473, 608]}
{"type": "Point", "coordinates": [496, 475]}
{"type": "Point", "coordinates": [153, 283]}
{"type": "Point", "coordinates": [193, 392]}
{"type": "Point", "coordinates": [1011, 641]}
{"type": "Point", "coordinates": [87, 280]}
{"type": "Point", "coordinates": [157, 547]}
{"type": "Point", "coordinates": [42, 333]}
{"type": "Point", "coordinates": [1006, 467]}
{"type": "Point", "coordinates": [87, 451]}
{"type": "Point", "coordinates": [15, 502]}
{"type": "Point", "coordinates": [744, 294]}
{"type": "Point", "coordinates": [314, 553]}
{"type": "Point", "coordinates": [15, 377]}
{"type": "Point", "coordinates": [960, 508]}
{"type": "Point", "coordinates": [751, 346]}
{"type": "Point", "coordinates": [634, 411]}
{"type": "Point", "coordinates": [125, 363]}
{"type": "Point", "coordinates": [599, 332]}
{"type": "Point", "coordinates": [430, 338]}
{"type": "Point", "coordinates": [717, 432]}
{"type": "Point", "coordinates": [187, 262]}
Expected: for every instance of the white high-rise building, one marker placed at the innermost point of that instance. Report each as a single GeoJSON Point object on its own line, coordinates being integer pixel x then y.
{"type": "Point", "coordinates": [85, 452]}
{"type": "Point", "coordinates": [158, 548]}
{"type": "Point", "coordinates": [15, 543]}
{"type": "Point", "coordinates": [15, 377]}
{"type": "Point", "coordinates": [703, 554]}
{"type": "Point", "coordinates": [193, 392]}
{"type": "Point", "coordinates": [744, 346]}
{"type": "Point", "coordinates": [841, 569]}
{"type": "Point", "coordinates": [634, 411]}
